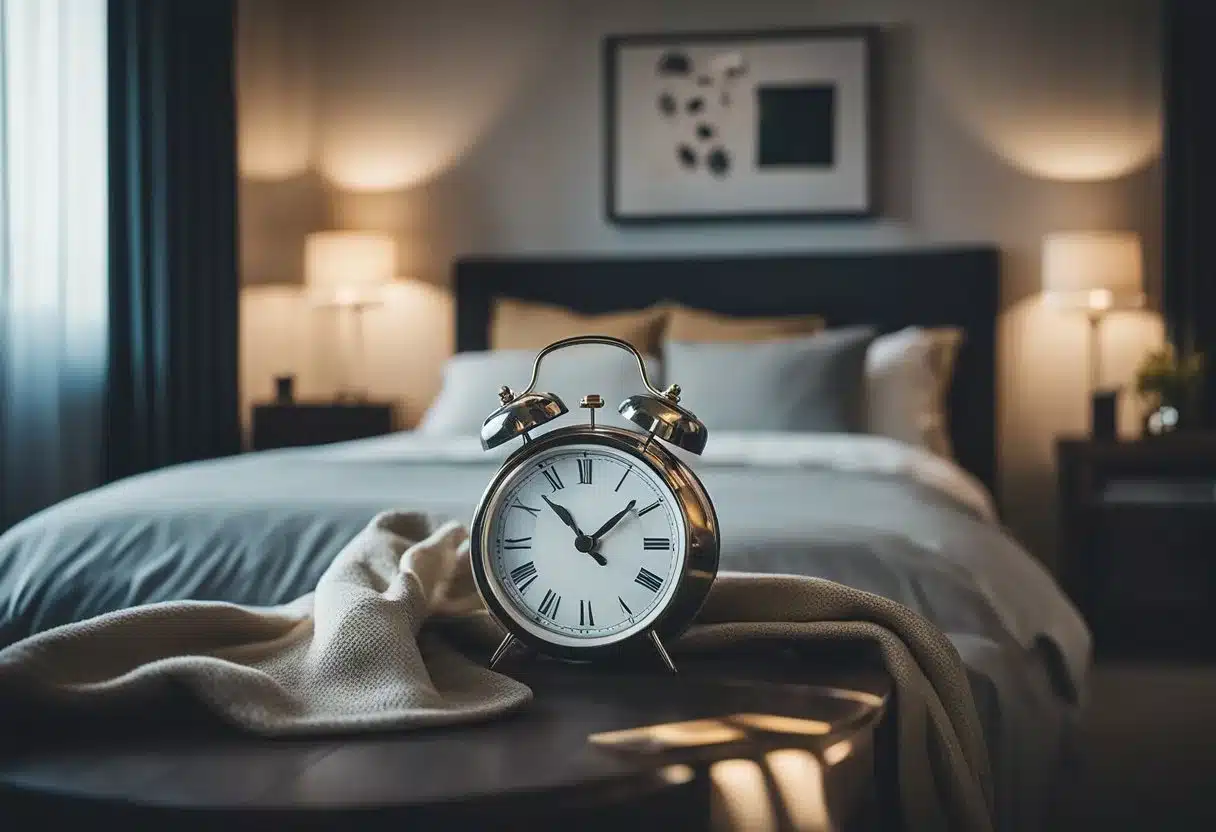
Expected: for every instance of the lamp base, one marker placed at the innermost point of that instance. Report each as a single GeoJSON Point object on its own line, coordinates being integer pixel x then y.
{"type": "Point", "coordinates": [1103, 414]}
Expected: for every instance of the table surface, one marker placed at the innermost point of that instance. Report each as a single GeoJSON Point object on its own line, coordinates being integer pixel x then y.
{"type": "Point", "coordinates": [498, 768]}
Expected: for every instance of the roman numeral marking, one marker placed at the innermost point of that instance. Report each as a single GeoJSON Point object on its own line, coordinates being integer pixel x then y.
{"type": "Point", "coordinates": [533, 511]}
{"type": "Point", "coordinates": [622, 482]}
{"type": "Point", "coordinates": [656, 543]}
{"type": "Point", "coordinates": [554, 478]}
{"type": "Point", "coordinates": [522, 573]}
{"type": "Point", "coordinates": [586, 619]}
{"type": "Point", "coordinates": [650, 507]}
{"type": "Point", "coordinates": [549, 604]}
{"type": "Point", "coordinates": [648, 579]}
{"type": "Point", "coordinates": [624, 606]}
{"type": "Point", "coordinates": [517, 543]}
{"type": "Point", "coordinates": [584, 472]}
{"type": "Point", "coordinates": [523, 576]}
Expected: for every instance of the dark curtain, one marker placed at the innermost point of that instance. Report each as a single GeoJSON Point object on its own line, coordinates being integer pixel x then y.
{"type": "Point", "coordinates": [1189, 273]}
{"type": "Point", "coordinates": [172, 393]}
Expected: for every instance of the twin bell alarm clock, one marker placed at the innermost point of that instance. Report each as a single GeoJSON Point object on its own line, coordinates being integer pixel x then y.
{"type": "Point", "coordinates": [592, 539]}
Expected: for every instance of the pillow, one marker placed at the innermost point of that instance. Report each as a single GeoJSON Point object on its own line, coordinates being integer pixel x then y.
{"type": "Point", "coordinates": [523, 325]}
{"type": "Point", "coordinates": [698, 326]}
{"type": "Point", "coordinates": [807, 384]}
{"type": "Point", "coordinates": [908, 375]}
{"type": "Point", "coordinates": [471, 380]}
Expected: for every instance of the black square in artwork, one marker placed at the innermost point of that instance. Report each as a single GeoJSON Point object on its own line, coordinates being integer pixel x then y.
{"type": "Point", "coordinates": [796, 125]}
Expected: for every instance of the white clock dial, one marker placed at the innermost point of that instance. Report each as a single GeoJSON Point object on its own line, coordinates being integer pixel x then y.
{"type": "Point", "coordinates": [560, 565]}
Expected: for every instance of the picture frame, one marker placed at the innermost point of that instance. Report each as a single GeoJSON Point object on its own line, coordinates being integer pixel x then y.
{"type": "Point", "coordinates": [736, 126]}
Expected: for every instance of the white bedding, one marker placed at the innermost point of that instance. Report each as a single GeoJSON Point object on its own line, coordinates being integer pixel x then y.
{"type": "Point", "coordinates": [760, 449]}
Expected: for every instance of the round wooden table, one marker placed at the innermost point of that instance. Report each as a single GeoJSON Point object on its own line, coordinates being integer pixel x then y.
{"type": "Point", "coordinates": [537, 766]}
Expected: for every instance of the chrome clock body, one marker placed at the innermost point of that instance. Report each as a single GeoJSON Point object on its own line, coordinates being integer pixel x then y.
{"type": "Point", "coordinates": [590, 538]}
{"type": "Point", "coordinates": [637, 589]}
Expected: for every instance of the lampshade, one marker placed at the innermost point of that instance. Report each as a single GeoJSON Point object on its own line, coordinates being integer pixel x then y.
{"type": "Point", "coordinates": [1093, 270]}
{"type": "Point", "coordinates": [348, 267]}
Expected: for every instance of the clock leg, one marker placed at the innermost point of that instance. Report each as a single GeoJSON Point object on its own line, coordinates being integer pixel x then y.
{"type": "Point", "coordinates": [662, 651]}
{"type": "Point", "coordinates": [501, 650]}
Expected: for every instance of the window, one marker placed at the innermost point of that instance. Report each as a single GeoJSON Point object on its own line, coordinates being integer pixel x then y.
{"type": "Point", "coordinates": [53, 248]}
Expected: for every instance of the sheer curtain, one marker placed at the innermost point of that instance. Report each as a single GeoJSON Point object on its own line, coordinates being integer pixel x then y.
{"type": "Point", "coordinates": [53, 250]}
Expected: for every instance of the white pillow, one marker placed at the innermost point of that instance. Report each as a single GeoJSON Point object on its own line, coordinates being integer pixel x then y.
{"type": "Point", "coordinates": [811, 384]}
{"type": "Point", "coordinates": [908, 376]}
{"type": "Point", "coordinates": [471, 381]}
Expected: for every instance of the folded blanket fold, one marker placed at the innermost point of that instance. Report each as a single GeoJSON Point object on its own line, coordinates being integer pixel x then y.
{"type": "Point", "coordinates": [353, 656]}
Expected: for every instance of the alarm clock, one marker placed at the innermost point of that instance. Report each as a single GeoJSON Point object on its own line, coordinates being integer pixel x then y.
{"type": "Point", "coordinates": [591, 539]}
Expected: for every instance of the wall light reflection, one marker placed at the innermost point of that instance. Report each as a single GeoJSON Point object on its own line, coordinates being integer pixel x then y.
{"type": "Point", "coordinates": [395, 115]}
{"type": "Point", "coordinates": [1045, 150]}
{"type": "Point", "coordinates": [1072, 95]}
{"type": "Point", "coordinates": [275, 86]}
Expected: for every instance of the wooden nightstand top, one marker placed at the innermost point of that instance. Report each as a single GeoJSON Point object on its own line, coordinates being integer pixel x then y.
{"type": "Point", "coordinates": [1198, 447]}
{"type": "Point", "coordinates": [1171, 470]}
{"type": "Point", "coordinates": [536, 769]}
{"type": "Point", "coordinates": [323, 404]}
{"type": "Point", "coordinates": [292, 424]}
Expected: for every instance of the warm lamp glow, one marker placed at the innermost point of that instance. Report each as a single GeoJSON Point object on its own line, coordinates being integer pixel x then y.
{"type": "Point", "coordinates": [276, 110]}
{"type": "Point", "coordinates": [1093, 270]}
{"type": "Point", "coordinates": [461, 80]}
{"type": "Point", "coordinates": [348, 267]}
{"type": "Point", "coordinates": [1096, 152]}
{"type": "Point", "coordinates": [1068, 97]}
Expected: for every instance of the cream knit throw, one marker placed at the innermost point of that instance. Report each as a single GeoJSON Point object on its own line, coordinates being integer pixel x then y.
{"type": "Point", "coordinates": [351, 656]}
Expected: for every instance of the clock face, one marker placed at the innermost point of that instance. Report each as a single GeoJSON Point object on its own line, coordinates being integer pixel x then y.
{"type": "Point", "coordinates": [585, 545]}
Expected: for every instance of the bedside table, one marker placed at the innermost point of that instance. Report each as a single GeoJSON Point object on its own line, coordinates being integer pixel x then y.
{"type": "Point", "coordinates": [536, 769]}
{"type": "Point", "coordinates": [1138, 541]}
{"type": "Point", "coordinates": [299, 423]}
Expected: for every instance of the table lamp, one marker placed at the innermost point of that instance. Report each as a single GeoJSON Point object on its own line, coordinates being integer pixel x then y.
{"type": "Point", "coordinates": [1094, 272]}
{"type": "Point", "coordinates": [347, 271]}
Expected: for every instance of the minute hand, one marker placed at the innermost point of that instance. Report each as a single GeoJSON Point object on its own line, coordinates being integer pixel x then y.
{"type": "Point", "coordinates": [616, 518]}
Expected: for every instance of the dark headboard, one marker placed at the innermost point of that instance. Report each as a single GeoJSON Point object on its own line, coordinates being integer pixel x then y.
{"type": "Point", "coordinates": [888, 289]}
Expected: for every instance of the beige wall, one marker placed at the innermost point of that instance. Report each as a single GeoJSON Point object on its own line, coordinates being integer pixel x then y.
{"type": "Point", "coordinates": [474, 126]}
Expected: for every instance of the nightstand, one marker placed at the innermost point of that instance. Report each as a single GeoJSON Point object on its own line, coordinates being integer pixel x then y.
{"type": "Point", "coordinates": [1138, 541]}
{"type": "Point", "coordinates": [296, 424]}
{"type": "Point", "coordinates": [533, 770]}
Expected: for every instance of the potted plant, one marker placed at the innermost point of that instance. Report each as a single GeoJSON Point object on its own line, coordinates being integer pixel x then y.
{"type": "Point", "coordinates": [1169, 386]}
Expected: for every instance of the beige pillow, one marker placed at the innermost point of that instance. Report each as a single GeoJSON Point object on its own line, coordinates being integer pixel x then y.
{"type": "Point", "coordinates": [908, 379]}
{"type": "Point", "coordinates": [524, 325]}
{"type": "Point", "coordinates": [698, 326]}
{"type": "Point", "coordinates": [946, 342]}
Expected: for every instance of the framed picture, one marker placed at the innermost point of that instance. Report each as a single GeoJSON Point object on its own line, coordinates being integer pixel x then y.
{"type": "Point", "coordinates": [748, 125]}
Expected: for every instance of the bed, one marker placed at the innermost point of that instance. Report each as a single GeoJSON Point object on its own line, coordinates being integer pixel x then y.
{"type": "Point", "coordinates": [869, 511]}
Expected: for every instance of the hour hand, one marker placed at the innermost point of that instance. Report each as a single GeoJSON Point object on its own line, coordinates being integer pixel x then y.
{"type": "Point", "coordinates": [616, 518]}
{"type": "Point", "coordinates": [564, 514]}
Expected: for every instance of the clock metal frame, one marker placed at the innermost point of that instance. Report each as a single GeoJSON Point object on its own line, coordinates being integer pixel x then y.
{"type": "Point", "coordinates": [696, 576]}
